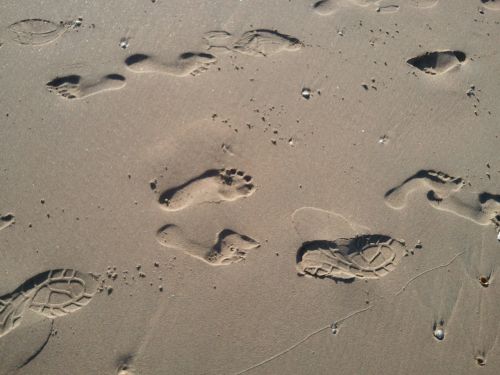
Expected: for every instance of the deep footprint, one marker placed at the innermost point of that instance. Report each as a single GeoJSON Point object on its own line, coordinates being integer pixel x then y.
{"type": "Point", "coordinates": [491, 4]}
{"type": "Point", "coordinates": [72, 87]}
{"type": "Point", "coordinates": [438, 62]}
{"type": "Point", "coordinates": [346, 259]}
{"type": "Point", "coordinates": [230, 247]}
{"type": "Point", "coordinates": [440, 184]}
{"type": "Point", "coordinates": [188, 63]}
{"type": "Point", "coordinates": [485, 211]}
{"type": "Point", "coordinates": [6, 220]}
{"type": "Point", "coordinates": [51, 294]}
{"type": "Point", "coordinates": [211, 187]}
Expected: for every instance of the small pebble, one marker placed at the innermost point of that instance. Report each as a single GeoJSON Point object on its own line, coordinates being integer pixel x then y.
{"type": "Point", "coordinates": [480, 360]}
{"type": "Point", "coordinates": [335, 328]}
{"type": "Point", "coordinates": [123, 43]}
{"type": "Point", "coordinates": [306, 93]}
{"type": "Point", "coordinates": [439, 333]}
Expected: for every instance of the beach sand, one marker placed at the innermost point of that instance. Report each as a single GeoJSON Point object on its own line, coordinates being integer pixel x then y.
{"type": "Point", "coordinates": [249, 187]}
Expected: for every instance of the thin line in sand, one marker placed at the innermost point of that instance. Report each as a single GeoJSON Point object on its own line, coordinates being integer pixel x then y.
{"type": "Point", "coordinates": [427, 271]}
{"type": "Point", "coordinates": [290, 348]}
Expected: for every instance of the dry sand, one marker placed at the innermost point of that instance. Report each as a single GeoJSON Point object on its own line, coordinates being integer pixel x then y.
{"type": "Point", "coordinates": [250, 187]}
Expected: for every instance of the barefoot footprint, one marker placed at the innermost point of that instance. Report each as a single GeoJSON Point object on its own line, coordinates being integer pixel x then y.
{"type": "Point", "coordinates": [440, 193]}
{"type": "Point", "coordinates": [188, 63]}
{"type": "Point", "coordinates": [484, 212]}
{"type": "Point", "coordinates": [230, 247]}
{"type": "Point", "coordinates": [211, 187]}
{"type": "Point", "coordinates": [438, 62]}
{"type": "Point", "coordinates": [51, 294]}
{"type": "Point", "coordinates": [328, 7]}
{"type": "Point", "coordinates": [71, 87]}
{"type": "Point", "coordinates": [438, 184]}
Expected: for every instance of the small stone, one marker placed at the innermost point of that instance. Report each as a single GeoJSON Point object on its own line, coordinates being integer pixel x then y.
{"type": "Point", "coordinates": [439, 333]}
{"type": "Point", "coordinates": [335, 328]}
{"type": "Point", "coordinates": [306, 93]}
{"type": "Point", "coordinates": [153, 184]}
{"type": "Point", "coordinates": [383, 139]}
{"type": "Point", "coordinates": [484, 281]}
{"type": "Point", "coordinates": [160, 288]}
{"type": "Point", "coordinates": [123, 43]}
{"type": "Point", "coordinates": [480, 360]}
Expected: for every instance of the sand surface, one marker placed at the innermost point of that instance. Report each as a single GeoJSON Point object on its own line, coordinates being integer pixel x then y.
{"type": "Point", "coordinates": [250, 187]}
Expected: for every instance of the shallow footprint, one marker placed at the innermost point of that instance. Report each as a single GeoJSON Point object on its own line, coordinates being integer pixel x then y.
{"type": "Point", "coordinates": [369, 256]}
{"type": "Point", "coordinates": [72, 87]}
{"type": "Point", "coordinates": [440, 184]}
{"type": "Point", "coordinates": [6, 220]}
{"type": "Point", "coordinates": [423, 3]}
{"type": "Point", "coordinates": [230, 247]}
{"type": "Point", "coordinates": [259, 42]}
{"type": "Point", "coordinates": [188, 63]}
{"type": "Point", "coordinates": [438, 62]}
{"type": "Point", "coordinates": [326, 7]}
{"type": "Point", "coordinates": [37, 31]}
{"type": "Point", "coordinates": [486, 211]}
{"type": "Point", "coordinates": [211, 187]}
{"type": "Point", "coordinates": [51, 294]}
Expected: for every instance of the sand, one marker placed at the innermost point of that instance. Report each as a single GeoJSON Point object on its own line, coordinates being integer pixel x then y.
{"type": "Point", "coordinates": [249, 187]}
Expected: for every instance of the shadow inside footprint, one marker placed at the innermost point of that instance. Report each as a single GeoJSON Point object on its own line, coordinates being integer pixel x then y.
{"type": "Point", "coordinates": [190, 55]}
{"type": "Point", "coordinates": [115, 77]}
{"type": "Point", "coordinates": [485, 197]}
{"type": "Point", "coordinates": [134, 59]}
{"type": "Point", "coordinates": [58, 81]}
{"type": "Point", "coordinates": [437, 62]}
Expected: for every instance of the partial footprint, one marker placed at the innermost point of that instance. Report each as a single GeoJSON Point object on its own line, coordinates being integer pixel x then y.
{"type": "Point", "coordinates": [491, 4]}
{"type": "Point", "coordinates": [71, 87]}
{"type": "Point", "coordinates": [423, 3]}
{"type": "Point", "coordinates": [260, 42]}
{"type": "Point", "coordinates": [6, 220]}
{"type": "Point", "coordinates": [484, 212]}
{"type": "Point", "coordinates": [438, 62]}
{"type": "Point", "coordinates": [230, 247]}
{"type": "Point", "coordinates": [370, 256]}
{"type": "Point", "coordinates": [211, 187]}
{"type": "Point", "coordinates": [389, 8]}
{"type": "Point", "coordinates": [328, 7]}
{"type": "Point", "coordinates": [38, 31]}
{"type": "Point", "coordinates": [51, 294]}
{"type": "Point", "coordinates": [188, 63]}
{"type": "Point", "coordinates": [438, 184]}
